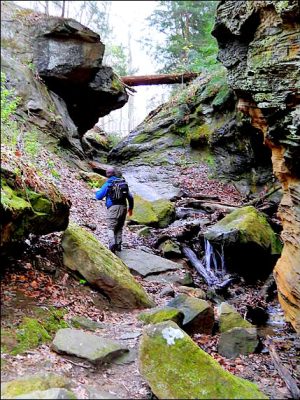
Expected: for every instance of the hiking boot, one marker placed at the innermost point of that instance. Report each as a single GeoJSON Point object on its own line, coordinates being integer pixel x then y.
{"type": "Point", "coordinates": [113, 248]}
{"type": "Point", "coordinates": [118, 247]}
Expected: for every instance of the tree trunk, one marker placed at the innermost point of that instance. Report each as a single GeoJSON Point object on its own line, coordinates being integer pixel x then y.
{"type": "Point", "coordinates": [163, 79]}
{"type": "Point", "coordinates": [63, 8]}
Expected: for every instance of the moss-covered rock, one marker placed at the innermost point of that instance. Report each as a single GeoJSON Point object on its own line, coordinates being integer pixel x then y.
{"type": "Point", "coordinates": [170, 249]}
{"type": "Point", "coordinates": [32, 331]}
{"type": "Point", "coordinates": [176, 368]}
{"type": "Point", "coordinates": [100, 267]}
{"type": "Point", "coordinates": [93, 179]}
{"type": "Point", "coordinates": [27, 384]}
{"type": "Point", "coordinates": [30, 203]}
{"type": "Point", "coordinates": [237, 341]}
{"type": "Point", "coordinates": [249, 242]}
{"type": "Point", "coordinates": [246, 225]}
{"type": "Point", "coordinates": [161, 314]}
{"type": "Point", "coordinates": [153, 213]}
{"type": "Point", "coordinates": [143, 213]}
{"type": "Point", "coordinates": [229, 318]}
{"type": "Point", "coordinates": [198, 314]}
{"type": "Point", "coordinates": [165, 211]}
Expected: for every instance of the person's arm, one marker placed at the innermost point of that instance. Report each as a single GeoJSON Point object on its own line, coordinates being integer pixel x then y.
{"type": "Point", "coordinates": [130, 204]}
{"type": "Point", "coordinates": [101, 193]}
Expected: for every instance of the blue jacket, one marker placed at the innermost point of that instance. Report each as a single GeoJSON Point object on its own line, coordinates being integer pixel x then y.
{"type": "Point", "coordinates": [102, 192]}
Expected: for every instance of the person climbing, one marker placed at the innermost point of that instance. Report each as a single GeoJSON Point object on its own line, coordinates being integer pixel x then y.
{"type": "Point", "coordinates": [117, 194]}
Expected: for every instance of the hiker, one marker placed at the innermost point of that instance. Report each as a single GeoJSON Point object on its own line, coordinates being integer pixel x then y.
{"type": "Point", "coordinates": [116, 192]}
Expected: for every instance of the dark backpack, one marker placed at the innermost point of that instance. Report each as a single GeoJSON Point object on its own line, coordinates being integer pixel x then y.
{"type": "Point", "coordinates": [118, 191]}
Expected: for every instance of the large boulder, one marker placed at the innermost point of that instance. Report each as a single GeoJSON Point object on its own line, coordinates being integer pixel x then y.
{"type": "Point", "coordinates": [158, 213]}
{"type": "Point", "coordinates": [30, 203]}
{"type": "Point", "coordinates": [75, 89]}
{"type": "Point", "coordinates": [176, 368]}
{"type": "Point", "coordinates": [198, 313]}
{"type": "Point", "coordinates": [251, 36]}
{"type": "Point", "coordinates": [100, 267]}
{"type": "Point", "coordinates": [249, 242]}
{"type": "Point", "coordinates": [237, 341]}
{"type": "Point", "coordinates": [229, 318]}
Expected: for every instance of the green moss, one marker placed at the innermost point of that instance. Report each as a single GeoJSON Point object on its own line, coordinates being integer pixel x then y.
{"type": "Point", "coordinates": [165, 212]}
{"type": "Point", "coordinates": [253, 227]}
{"type": "Point", "coordinates": [30, 334]}
{"type": "Point", "coordinates": [83, 252]}
{"type": "Point", "coordinates": [11, 200]}
{"type": "Point", "coordinates": [143, 213]}
{"type": "Point", "coordinates": [200, 135]}
{"type": "Point", "coordinates": [158, 315]}
{"type": "Point", "coordinates": [39, 204]}
{"type": "Point", "coordinates": [54, 320]}
{"type": "Point", "coordinates": [179, 369]}
{"type": "Point", "coordinates": [117, 85]}
{"type": "Point", "coordinates": [222, 96]}
{"type": "Point", "coordinates": [230, 318]}
{"type": "Point", "coordinates": [33, 331]}
{"type": "Point", "coordinates": [141, 138]}
{"type": "Point", "coordinates": [28, 384]}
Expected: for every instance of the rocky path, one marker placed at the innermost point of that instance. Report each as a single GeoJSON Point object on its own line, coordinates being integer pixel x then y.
{"type": "Point", "coordinates": [57, 287]}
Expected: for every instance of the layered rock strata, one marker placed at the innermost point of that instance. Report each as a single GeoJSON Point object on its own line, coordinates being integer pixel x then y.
{"type": "Point", "coordinates": [55, 66]}
{"type": "Point", "coordinates": [259, 46]}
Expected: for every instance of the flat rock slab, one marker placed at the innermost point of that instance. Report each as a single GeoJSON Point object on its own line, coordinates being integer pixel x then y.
{"type": "Point", "coordinates": [82, 322]}
{"type": "Point", "coordinates": [145, 263]}
{"type": "Point", "coordinates": [55, 393]}
{"type": "Point", "coordinates": [99, 394]}
{"type": "Point", "coordinates": [93, 348]}
{"type": "Point", "coordinates": [170, 277]}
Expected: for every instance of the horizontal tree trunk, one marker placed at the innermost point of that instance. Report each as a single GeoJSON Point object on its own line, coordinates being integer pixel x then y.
{"type": "Point", "coordinates": [163, 79]}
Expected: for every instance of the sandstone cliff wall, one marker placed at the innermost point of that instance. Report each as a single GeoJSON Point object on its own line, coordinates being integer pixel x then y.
{"type": "Point", "coordinates": [259, 46]}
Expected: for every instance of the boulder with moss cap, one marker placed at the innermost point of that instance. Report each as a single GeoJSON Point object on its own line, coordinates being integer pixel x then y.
{"type": "Point", "coordinates": [176, 368]}
{"type": "Point", "coordinates": [100, 267]}
{"type": "Point", "coordinates": [248, 240]}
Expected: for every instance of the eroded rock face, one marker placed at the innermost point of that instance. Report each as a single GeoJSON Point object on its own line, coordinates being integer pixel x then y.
{"type": "Point", "coordinates": [75, 89]}
{"type": "Point", "coordinates": [29, 202]}
{"type": "Point", "coordinates": [259, 44]}
{"type": "Point", "coordinates": [200, 125]}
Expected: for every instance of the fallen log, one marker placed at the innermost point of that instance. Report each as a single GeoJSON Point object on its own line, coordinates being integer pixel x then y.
{"type": "Point", "coordinates": [162, 79]}
{"type": "Point", "coordinates": [284, 373]}
{"type": "Point", "coordinates": [208, 276]}
{"type": "Point", "coordinates": [261, 198]}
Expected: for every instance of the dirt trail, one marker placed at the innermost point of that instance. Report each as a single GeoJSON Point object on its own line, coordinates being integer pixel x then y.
{"type": "Point", "coordinates": [124, 380]}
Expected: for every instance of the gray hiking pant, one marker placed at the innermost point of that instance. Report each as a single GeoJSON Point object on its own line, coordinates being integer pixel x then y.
{"type": "Point", "coordinates": [116, 216]}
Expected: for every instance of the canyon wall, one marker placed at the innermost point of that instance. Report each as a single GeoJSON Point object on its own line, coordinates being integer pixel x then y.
{"type": "Point", "coordinates": [259, 45]}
